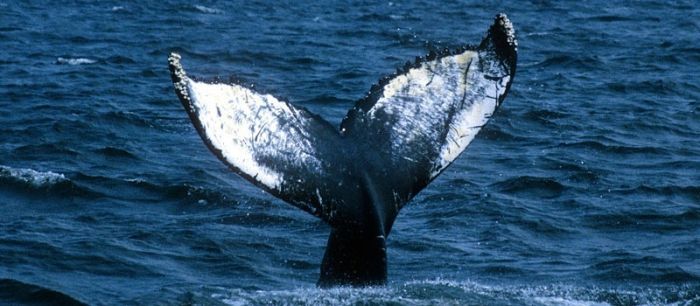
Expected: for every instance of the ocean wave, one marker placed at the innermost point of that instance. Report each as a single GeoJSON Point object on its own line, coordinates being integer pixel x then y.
{"type": "Point", "coordinates": [569, 61]}
{"type": "Point", "coordinates": [74, 61]}
{"type": "Point", "coordinates": [183, 192]}
{"type": "Point", "coordinates": [120, 59]}
{"type": "Point", "coordinates": [616, 18]}
{"type": "Point", "coordinates": [613, 149]}
{"type": "Point", "coordinates": [29, 181]}
{"type": "Point", "coordinates": [493, 132]}
{"type": "Point", "coordinates": [544, 117]}
{"type": "Point", "coordinates": [691, 192]}
{"type": "Point", "coordinates": [646, 220]}
{"type": "Point", "coordinates": [125, 117]}
{"type": "Point", "coordinates": [142, 189]}
{"type": "Point", "coordinates": [33, 183]}
{"type": "Point", "coordinates": [541, 187]}
{"type": "Point", "coordinates": [9, 28]}
{"type": "Point", "coordinates": [14, 292]}
{"type": "Point", "coordinates": [646, 86]}
{"type": "Point", "coordinates": [373, 17]}
{"type": "Point", "coordinates": [31, 177]}
{"type": "Point", "coordinates": [45, 149]}
{"type": "Point", "coordinates": [327, 99]}
{"type": "Point", "coordinates": [109, 151]}
{"type": "Point", "coordinates": [623, 266]}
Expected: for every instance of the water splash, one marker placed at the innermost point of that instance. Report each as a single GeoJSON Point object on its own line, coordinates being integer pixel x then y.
{"type": "Point", "coordinates": [31, 176]}
{"type": "Point", "coordinates": [451, 292]}
{"type": "Point", "coordinates": [74, 61]}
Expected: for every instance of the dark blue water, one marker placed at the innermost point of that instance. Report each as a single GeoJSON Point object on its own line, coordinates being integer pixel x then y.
{"type": "Point", "coordinates": [584, 189]}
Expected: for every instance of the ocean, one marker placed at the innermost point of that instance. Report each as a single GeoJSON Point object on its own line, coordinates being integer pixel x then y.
{"type": "Point", "coordinates": [583, 189]}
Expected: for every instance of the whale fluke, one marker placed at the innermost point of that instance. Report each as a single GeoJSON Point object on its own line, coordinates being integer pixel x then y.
{"type": "Point", "coordinates": [408, 129]}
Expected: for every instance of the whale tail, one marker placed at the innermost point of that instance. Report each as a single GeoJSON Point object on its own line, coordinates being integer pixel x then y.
{"type": "Point", "coordinates": [392, 143]}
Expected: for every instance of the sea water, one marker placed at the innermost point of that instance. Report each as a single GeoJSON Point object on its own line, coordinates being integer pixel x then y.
{"type": "Point", "coordinates": [584, 188]}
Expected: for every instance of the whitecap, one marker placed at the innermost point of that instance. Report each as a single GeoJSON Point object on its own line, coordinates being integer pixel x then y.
{"type": "Point", "coordinates": [31, 176]}
{"type": "Point", "coordinates": [207, 10]}
{"type": "Point", "coordinates": [137, 180]}
{"type": "Point", "coordinates": [538, 34]}
{"type": "Point", "coordinates": [75, 61]}
{"type": "Point", "coordinates": [118, 8]}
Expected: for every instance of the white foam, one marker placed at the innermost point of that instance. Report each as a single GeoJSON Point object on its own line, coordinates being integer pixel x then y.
{"type": "Point", "coordinates": [75, 61]}
{"type": "Point", "coordinates": [32, 177]}
{"type": "Point", "coordinates": [207, 10]}
{"type": "Point", "coordinates": [560, 301]}
{"type": "Point", "coordinates": [315, 296]}
{"type": "Point", "coordinates": [137, 180]}
{"type": "Point", "coordinates": [530, 295]}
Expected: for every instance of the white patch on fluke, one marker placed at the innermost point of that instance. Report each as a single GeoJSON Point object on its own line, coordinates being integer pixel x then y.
{"type": "Point", "coordinates": [451, 92]}
{"type": "Point", "coordinates": [469, 121]}
{"type": "Point", "coordinates": [249, 128]}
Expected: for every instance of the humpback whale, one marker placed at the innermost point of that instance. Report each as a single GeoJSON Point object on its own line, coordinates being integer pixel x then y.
{"type": "Point", "coordinates": [406, 131]}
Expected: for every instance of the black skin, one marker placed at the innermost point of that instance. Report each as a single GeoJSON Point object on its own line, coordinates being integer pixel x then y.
{"type": "Point", "coordinates": [356, 251]}
{"type": "Point", "coordinates": [354, 259]}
